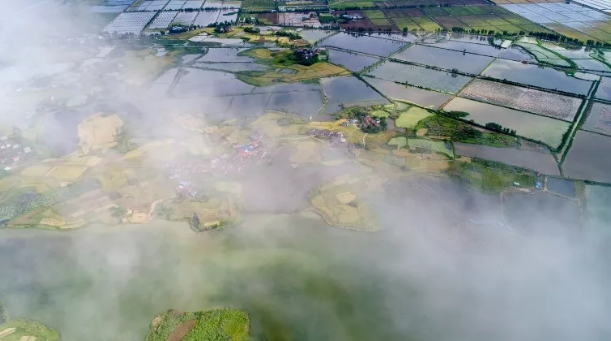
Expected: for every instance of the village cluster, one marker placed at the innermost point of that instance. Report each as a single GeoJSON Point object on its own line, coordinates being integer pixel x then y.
{"type": "Point", "coordinates": [11, 153]}
{"type": "Point", "coordinates": [244, 155]}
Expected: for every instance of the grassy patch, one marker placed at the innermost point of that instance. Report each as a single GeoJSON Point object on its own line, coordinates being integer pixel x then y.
{"type": "Point", "coordinates": [491, 176]}
{"type": "Point", "coordinates": [411, 117]}
{"type": "Point", "coordinates": [441, 147]}
{"type": "Point", "coordinates": [351, 4]}
{"type": "Point", "coordinates": [219, 324]}
{"type": "Point", "coordinates": [399, 141]}
{"type": "Point", "coordinates": [459, 131]}
{"type": "Point", "coordinates": [25, 327]}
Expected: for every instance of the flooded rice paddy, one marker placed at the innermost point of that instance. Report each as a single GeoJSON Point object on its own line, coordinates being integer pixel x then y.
{"type": "Point", "coordinates": [364, 44]}
{"type": "Point", "coordinates": [541, 213]}
{"type": "Point", "coordinates": [561, 186]}
{"type": "Point", "coordinates": [537, 161]}
{"type": "Point", "coordinates": [536, 101]}
{"type": "Point", "coordinates": [446, 59]}
{"type": "Point", "coordinates": [544, 77]}
{"type": "Point", "coordinates": [460, 46]}
{"type": "Point", "coordinates": [349, 91]}
{"type": "Point", "coordinates": [599, 119]}
{"type": "Point", "coordinates": [539, 128]}
{"type": "Point", "coordinates": [604, 89]}
{"type": "Point", "coordinates": [588, 157]}
{"type": "Point", "coordinates": [517, 54]}
{"type": "Point", "coordinates": [351, 61]}
{"type": "Point", "coordinates": [425, 98]}
{"type": "Point", "coordinates": [420, 76]}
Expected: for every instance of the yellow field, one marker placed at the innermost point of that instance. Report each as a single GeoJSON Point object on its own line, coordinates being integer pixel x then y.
{"type": "Point", "coordinates": [306, 152]}
{"type": "Point", "coordinates": [67, 173]}
{"type": "Point", "coordinates": [337, 202]}
{"type": "Point", "coordinates": [98, 132]}
{"type": "Point", "coordinates": [268, 123]}
{"type": "Point", "coordinates": [36, 171]}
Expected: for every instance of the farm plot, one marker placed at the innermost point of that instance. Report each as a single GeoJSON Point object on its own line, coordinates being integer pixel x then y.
{"type": "Point", "coordinates": [588, 158]}
{"type": "Point", "coordinates": [410, 18]}
{"type": "Point", "coordinates": [185, 18]}
{"type": "Point", "coordinates": [539, 128]}
{"type": "Point", "coordinates": [604, 89]}
{"type": "Point", "coordinates": [517, 54]}
{"type": "Point", "coordinates": [570, 19]}
{"type": "Point", "coordinates": [349, 91]}
{"type": "Point", "coordinates": [598, 199]}
{"type": "Point", "coordinates": [363, 44]}
{"type": "Point", "coordinates": [378, 19]}
{"type": "Point", "coordinates": [174, 5]}
{"type": "Point", "coordinates": [536, 101]}
{"type": "Point", "coordinates": [425, 98]}
{"type": "Point", "coordinates": [599, 119]}
{"type": "Point", "coordinates": [205, 18]}
{"type": "Point", "coordinates": [193, 4]}
{"type": "Point", "coordinates": [541, 213]}
{"type": "Point", "coordinates": [228, 15]}
{"type": "Point", "coordinates": [561, 186]}
{"type": "Point", "coordinates": [486, 50]}
{"type": "Point", "coordinates": [482, 18]}
{"type": "Point", "coordinates": [543, 55]}
{"type": "Point", "coordinates": [548, 78]}
{"type": "Point", "coordinates": [304, 103]}
{"type": "Point", "coordinates": [259, 5]}
{"type": "Point", "coordinates": [537, 161]}
{"type": "Point", "coordinates": [351, 61]}
{"type": "Point", "coordinates": [163, 20]}
{"type": "Point", "coordinates": [441, 147]}
{"type": "Point", "coordinates": [446, 59]}
{"type": "Point", "coordinates": [313, 36]}
{"type": "Point", "coordinates": [410, 118]}
{"type": "Point", "coordinates": [420, 76]}
{"type": "Point", "coordinates": [129, 22]}
{"type": "Point", "coordinates": [212, 4]}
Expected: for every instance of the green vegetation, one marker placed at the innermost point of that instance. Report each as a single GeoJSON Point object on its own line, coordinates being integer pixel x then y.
{"type": "Point", "coordinates": [459, 131]}
{"type": "Point", "coordinates": [25, 327]}
{"type": "Point", "coordinates": [491, 176]}
{"type": "Point", "coordinates": [218, 324]}
{"type": "Point", "coordinates": [411, 117]}
{"type": "Point", "coordinates": [441, 147]}
{"type": "Point", "coordinates": [399, 141]}
{"type": "Point", "coordinates": [22, 202]}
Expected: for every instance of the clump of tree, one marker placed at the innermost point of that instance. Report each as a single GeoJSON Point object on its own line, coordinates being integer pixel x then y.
{"type": "Point", "coordinates": [221, 27]}
{"type": "Point", "coordinates": [290, 35]}
{"type": "Point", "coordinates": [251, 30]}
{"type": "Point", "coordinates": [499, 128]}
{"type": "Point", "coordinates": [306, 56]}
{"type": "Point", "coordinates": [371, 124]}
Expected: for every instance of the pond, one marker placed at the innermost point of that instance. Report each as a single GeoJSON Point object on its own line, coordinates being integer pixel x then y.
{"type": "Point", "coordinates": [364, 44]}
{"type": "Point", "coordinates": [562, 186]}
{"type": "Point", "coordinates": [542, 214]}
{"type": "Point", "coordinates": [420, 76]}
{"type": "Point", "coordinates": [447, 59]}
{"type": "Point", "coordinates": [483, 49]}
{"type": "Point", "coordinates": [197, 83]}
{"type": "Point", "coordinates": [588, 157]}
{"type": "Point", "coordinates": [351, 61]}
{"type": "Point", "coordinates": [599, 119]}
{"type": "Point", "coordinates": [536, 75]}
{"type": "Point", "coordinates": [425, 98]}
{"type": "Point", "coordinates": [349, 91]}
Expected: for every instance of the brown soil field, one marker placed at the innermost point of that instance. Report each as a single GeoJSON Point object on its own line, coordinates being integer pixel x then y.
{"type": "Point", "coordinates": [181, 331]}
